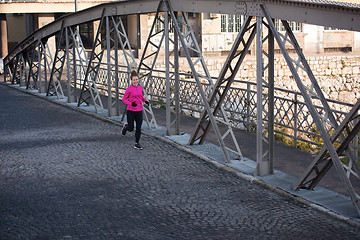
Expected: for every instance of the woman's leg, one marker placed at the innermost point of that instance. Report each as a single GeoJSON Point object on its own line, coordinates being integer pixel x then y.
{"type": "Point", "coordinates": [130, 120]}
{"type": "Point", "coordinates": [138, 120]}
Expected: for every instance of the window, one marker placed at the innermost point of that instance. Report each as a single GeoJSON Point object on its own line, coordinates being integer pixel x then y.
{"type": "Point", "coordinates": [296, 27]}
{"type": "Point", "coordinates": [331, 29]}
{"type": "Point", "coordinates": [231, 23]}
{"type": "Point", "coordinates": [223, 23]}
{"type": "Point", "coordinates": [160, 23]}
{"type": "Point", "coordinates": [87, 34]}
{"type": "Point", "coordinates": [238, 22]}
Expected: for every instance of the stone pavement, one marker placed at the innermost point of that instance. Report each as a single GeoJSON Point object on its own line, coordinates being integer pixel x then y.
{"type": "Point", "coordinates": [68, 175]}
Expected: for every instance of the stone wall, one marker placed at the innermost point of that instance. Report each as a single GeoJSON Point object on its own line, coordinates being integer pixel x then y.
{"type": "Point", "coordinates": [338, 76]}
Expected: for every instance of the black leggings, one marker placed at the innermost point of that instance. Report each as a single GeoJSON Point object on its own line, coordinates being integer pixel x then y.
{"type": "Point", "coordinates": [136, 116]}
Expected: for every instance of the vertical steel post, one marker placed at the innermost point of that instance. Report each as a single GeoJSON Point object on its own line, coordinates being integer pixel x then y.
{"type": "Point", "coordinates": [264, 144]}
{"type": "Point", "coordinates": [261, 166]}
{"type": "Point", "coordinates": [42, 68]}
{"type": "Point", "coordinates": [23, 71]}
{"type": "Point", "coordinates": [167, 74]}
{"type": "Point", "coordinates": [172, 79]}
{"type": "Point", "coordinates": [271, 102]}
{"type": "Point", "coordinates": [177, 81]}
{"type": "Point", "coordinates": [11, 73]}
{"type": "Point", "coordinates": [70, 63]}
{"type": "Point", "coordinates": [112, 68]}
{"type": "Point", "coordinates": [116, 56]}
{"type": "Point", "coordinates": [111, 109]}
{"type": "Point", "coordinates": [295, 119]}
{"type": "Point", "coordinates": [247, 104]}
{"type": "Point", "coordinates": [15, 72]}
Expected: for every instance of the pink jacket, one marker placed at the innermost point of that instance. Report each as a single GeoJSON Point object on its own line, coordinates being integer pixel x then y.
{"type": "Point", "coordinates": [134, 94]}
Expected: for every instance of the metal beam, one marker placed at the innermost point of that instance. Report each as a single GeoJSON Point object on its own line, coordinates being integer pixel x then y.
{"type": "Point", "coordinates": [146, 70]}
{"type": "Point", "coordinates": [191, 39]}
{"type": "Point", "coordinates": [13, 70]}
{"type": "Point", "coordinates": [89, 86]}
{"type": "Point", "coordinates": [322, 163]}
{"type": "Point", "coordinates": [331, 14]}
{"type": "Point", "coordinates": [76, 62]}
{"type": "Point", "coordinates": [122, 38]}
{"type": "Point", "coordinates": [54, 85]}
{"type": "Point", "coordinates": [265, 101]}
{"type": "Point", "coordinates": [43, 67]}
{"type": "Point", "coordinates": [172, 78]}
{"type": "Point", "coordinates": [112, 66]}
{"type": "Point", "coordinates": [218, 95]}
{"type": "Point", "coordinates": [22, 71]}
{"type": "Point", "coordinates": [310, 93]}
{"type": "Point", "coordinates": [33, 66]}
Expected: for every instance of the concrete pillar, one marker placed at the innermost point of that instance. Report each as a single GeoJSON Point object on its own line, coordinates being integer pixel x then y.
{"type": "Point", "coordinates": [132, 29]}
{"type": "Point", "coordinates": [313, 39]}
{"type": "Point", "coordinates": [356, 46]}
{"type": "Point", "coordinates": [3, 33]}
{"type": "Point", "coordinates": [30, 28]}
{"type": "Point", "coordinates": [96, 25]}
{"type": "Point", "coordinates": [146, 21]}
{"type": "Point", "coordinates": [42, 20]}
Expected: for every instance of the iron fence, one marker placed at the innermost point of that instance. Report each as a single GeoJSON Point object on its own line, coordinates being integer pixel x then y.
{"type": "Point", "coordinates": [292, 118]}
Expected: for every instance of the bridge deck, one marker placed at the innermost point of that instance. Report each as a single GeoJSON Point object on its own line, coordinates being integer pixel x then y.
{"type": "Point", "coordinates": [66, 174]}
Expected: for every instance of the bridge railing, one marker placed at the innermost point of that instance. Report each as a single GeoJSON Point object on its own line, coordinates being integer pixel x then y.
{"type": "Point", "coordinates": [293, 122]}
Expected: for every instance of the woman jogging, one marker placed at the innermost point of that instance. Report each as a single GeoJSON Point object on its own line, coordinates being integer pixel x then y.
{"type": "Point", "coordinates": [134, 98]}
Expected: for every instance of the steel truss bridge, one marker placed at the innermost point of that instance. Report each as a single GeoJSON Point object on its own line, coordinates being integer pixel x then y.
{"type": "Point", "coordinates": [88, 75]}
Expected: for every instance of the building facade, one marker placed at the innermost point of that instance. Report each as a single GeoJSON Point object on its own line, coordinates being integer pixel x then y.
{"type": "Point", "coordinates": [215, 32]}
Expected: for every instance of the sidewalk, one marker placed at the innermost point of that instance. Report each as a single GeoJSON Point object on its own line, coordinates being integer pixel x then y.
{"type": "Point", "coordinates": [289, 162]}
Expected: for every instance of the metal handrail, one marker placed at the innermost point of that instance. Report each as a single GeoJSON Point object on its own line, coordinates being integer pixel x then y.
{"type": "Point", "coordinates": [243, 114]}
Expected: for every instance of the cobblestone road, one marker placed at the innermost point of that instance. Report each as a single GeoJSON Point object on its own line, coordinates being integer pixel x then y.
{"type": "Point", "coordinates": [67, 175]}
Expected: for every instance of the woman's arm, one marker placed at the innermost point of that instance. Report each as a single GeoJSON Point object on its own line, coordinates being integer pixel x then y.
{"type": "Point", "coordinates": [126, 96]}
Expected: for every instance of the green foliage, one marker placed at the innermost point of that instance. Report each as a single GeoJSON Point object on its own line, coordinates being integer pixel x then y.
{"type": "Point", "coordinates": [280, 136]}
{"type": "Point", "coordinates": [159, 104]}
{"type": "Point", "coordinates": [284, 139]}
{"type": "Point", "coordinates": [345, 159]}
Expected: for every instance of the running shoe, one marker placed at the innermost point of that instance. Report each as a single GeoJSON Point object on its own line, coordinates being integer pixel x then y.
{"type": "Point", "coordinates": [137, 146]}
{"type": "Point", "coordinates": [124, 129]}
